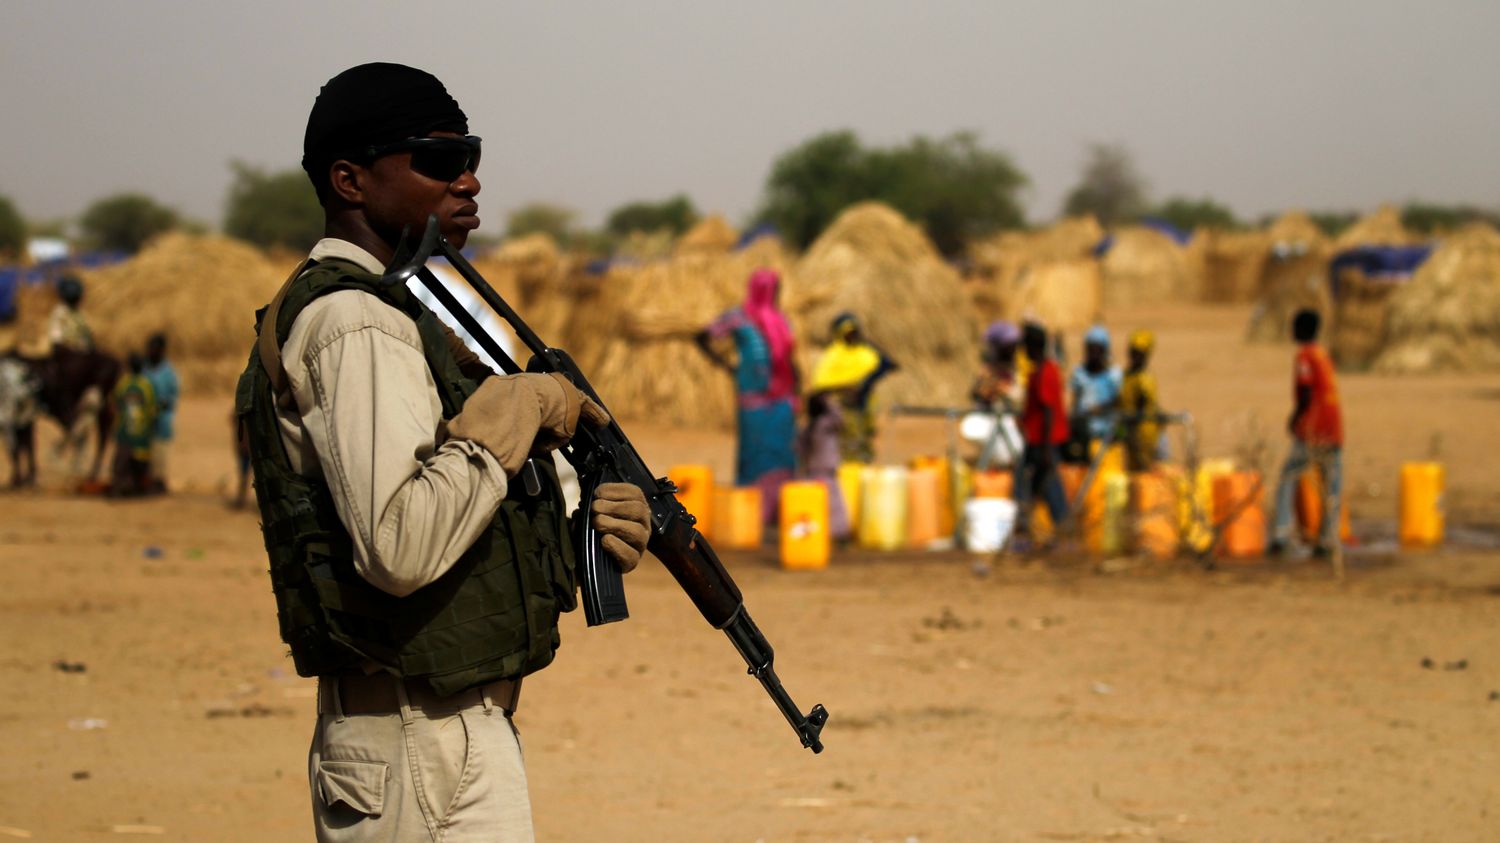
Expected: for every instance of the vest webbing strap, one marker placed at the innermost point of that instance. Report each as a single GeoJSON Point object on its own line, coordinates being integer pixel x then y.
{"type": "Point", "coordinates": [267, 346]}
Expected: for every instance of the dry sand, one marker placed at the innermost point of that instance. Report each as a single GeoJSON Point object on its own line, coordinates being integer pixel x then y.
{"type": "Point", "coordinates": [1046, 702]}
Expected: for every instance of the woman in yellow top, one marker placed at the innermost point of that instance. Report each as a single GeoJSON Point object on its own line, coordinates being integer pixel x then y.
{"type": "Point", "coordinates": [1140, 408]}
{"type": "Point", "coordinates": [849, 369]}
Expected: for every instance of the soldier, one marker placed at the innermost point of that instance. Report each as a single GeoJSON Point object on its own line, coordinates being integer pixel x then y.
{"type": "Point", "coordinates": [415, 576]}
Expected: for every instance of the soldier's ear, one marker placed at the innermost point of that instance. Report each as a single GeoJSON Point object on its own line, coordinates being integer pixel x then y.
{"type": "Point", "coordinates": [346, 180]}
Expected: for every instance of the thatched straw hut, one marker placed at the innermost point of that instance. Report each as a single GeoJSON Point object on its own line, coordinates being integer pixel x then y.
{"type": "Point", "coordinates": [712, 235]}
{"type": "Point", "coordinates": [632, 333]}
{"type": "Point", "coordinates": [1382, 228]}
{"type": "Point", "coordinates": [201, 291]}
{"type": "Point", "coordinates": [1145, 266]}
{"type": "Point", "coordinates": [1011, 274]}
{"type": "Point", "coordinates": [1295, 276]}
{"type": "Point", "coordinates": [1448, 316]}
{"type": "Point", "coordinates": [875, 263]}
{"type": "Point", "coordinates": [1361, 303]}
{"type": "Point", "coordinates": [1233, 264]}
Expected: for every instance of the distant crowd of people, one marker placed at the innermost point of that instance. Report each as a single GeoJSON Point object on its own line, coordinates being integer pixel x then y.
{"type": "Point", "coordinates": [95, 402]}
{"type": "Point", "coordinates": [1057, 419]}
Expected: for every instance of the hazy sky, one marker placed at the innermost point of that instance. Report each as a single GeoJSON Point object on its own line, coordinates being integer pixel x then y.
{"type": "Point", "coordinates": [1263, 105]}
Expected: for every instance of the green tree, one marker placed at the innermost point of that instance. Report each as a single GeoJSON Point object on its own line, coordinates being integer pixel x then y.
{"type": "Point", "coordinates": [811, 183]}
{"type": "Point", "coordinates": [1333, 223]}
{"type": "Point", "coordinates": [676, 213]}
{"type": "Point", "coordinates": [544, 218]}
{"type": "Point", "coordinates": [53, 227]}
{"type": "Point", "coordinates": [12, 228]}
{"type": "Point", "coordinates": [272, 209]}
{"type": "Point", "coordinates": [1111, 189]}
{"type": "Point", "coordinates": [1428, 218]}
{"type": "Point", "coordinates": [1187, 214]}
{"type": "Point", "coordinates": [125, 222]}
{"type": "Point", "coordinates": [953, 187]}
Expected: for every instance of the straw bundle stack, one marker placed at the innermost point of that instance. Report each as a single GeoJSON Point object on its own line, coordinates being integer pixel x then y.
{"type": "Point", "coordinates": [646, 245]}
{"type": "Point", "coordinates": [634, 335]}
{"type": "Point", "coordinates": [1233, 263]}
{"type": "Point", "coordinates": [1144, 266]}
{"type": "Point", "coordinates": [28, 334]}
{"type": "Point", "coordinates": [713, 235]}
{"type": "Point", "coordinates": [532, 275]}
{"type": "Point", "coordinates": [1002, 261]}
{"type": "Point", "coordinates": [1448, 316]}
{"type": "Point", "coordinates": [1382, 228]}
{"type": "Point", "coordinates": [1063, 295]}
{"type": "Point", "coordinates": [875, 263]}
{"type": "Point", "coordinates": [1360, 317]}
{"type": "Point", "coordinates": [201, 291]}
{"type": "Point", "coordinates": [1295, 277]}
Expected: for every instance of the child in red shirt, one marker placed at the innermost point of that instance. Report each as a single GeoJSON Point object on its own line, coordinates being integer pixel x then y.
{"type": "Point", "coordinates": [1044, 425]}
{"type": "Point", "coordinates": [1317, 428]}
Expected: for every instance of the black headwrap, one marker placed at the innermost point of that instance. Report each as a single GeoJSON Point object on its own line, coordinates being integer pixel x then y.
{"type": "Point", "coordinates": [374, 104]}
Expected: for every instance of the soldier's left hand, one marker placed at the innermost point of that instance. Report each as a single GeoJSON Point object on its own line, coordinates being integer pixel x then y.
{"type": "Point", "coordinates": [623, 519]}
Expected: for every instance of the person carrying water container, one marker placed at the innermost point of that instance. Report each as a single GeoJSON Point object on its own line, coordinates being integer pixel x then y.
{"type": "Point", "coordinates": [850, 367]}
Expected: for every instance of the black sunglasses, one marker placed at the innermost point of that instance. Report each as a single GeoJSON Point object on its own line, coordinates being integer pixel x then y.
{"type": "Point", "coordinates": [444, 159]}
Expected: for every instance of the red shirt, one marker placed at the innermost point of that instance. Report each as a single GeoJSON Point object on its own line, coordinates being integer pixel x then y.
{"type": "Point", "coordinates": [1322, 423]}
{"type": "Point", "coordinates": [1044, 391]}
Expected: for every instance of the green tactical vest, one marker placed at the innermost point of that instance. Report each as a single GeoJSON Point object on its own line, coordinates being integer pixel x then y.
{"type": "Point", "coordinates": [492, 616]}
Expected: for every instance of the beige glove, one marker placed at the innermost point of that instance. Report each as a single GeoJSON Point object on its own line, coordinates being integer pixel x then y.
{"type": "Point", "coordinates": [516, 416]}
{"type": "Point", "coordinates": [623, 520]}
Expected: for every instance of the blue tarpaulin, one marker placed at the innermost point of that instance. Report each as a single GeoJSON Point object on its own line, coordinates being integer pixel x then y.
{"type": "Point", "coordinates": [1387, 263]}
{"type": "Point", "coordinates": [1178, 236]}
{"type": "Point", "coordinates": [753, 234]}
{"type": "Point", "coordinates": [12, 277]}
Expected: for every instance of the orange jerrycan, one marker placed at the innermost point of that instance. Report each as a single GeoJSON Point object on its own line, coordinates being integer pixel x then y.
{"type": "Point", "coordinates": [1421, 507]}
{"type": "Point", "coordinates": [1309, 507]}
{"type": "Point", "coordinates": [738, 521]}
{"type": "Point", "coordinates": [924, 520]}
{"type": "Point", "coordinates": [851, 476]}
{"type": "Point", "coordinates": [994, 484]}
{"type": "Point", "coordinates": [1153, 501]}
{"type": "Point", "coordinates": [947, 514]}
{"type": "Point", "coordinates": [1238, 511]}
{"type": "Point", "coordinates": [805, 537]}
{"type": "Point", "coordinates": [695, 491]}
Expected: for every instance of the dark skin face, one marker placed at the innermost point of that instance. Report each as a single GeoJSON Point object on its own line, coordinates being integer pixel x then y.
{"type": "Point", "coordinates": [1138, 359]}
{"type": "Point", "coordinates": [1095, 357]}
{"type": "Point", "coordinates": [156, 352]}
{"type": "Point", "coordinates": [370, 204]}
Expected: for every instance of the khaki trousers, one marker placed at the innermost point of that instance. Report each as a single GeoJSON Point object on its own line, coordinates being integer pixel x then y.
{"type": "Point", "coordinates": [408, 776]}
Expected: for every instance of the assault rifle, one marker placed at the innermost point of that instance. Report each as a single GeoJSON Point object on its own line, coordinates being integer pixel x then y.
{"type": "Point", "coordinates": [604, 455]}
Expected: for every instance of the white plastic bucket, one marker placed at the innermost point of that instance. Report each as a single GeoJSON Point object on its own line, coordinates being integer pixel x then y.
{"type": "Point", "coordinates": [987, 523]}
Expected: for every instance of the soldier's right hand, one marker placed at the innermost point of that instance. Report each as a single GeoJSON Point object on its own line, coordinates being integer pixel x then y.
{"type": "Point", "coordinates": [516, 416]}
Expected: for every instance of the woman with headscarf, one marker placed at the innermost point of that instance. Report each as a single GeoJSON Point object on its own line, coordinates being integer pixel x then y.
{"type": "Point", "coordinates": [766, 385]}
{"type": "Point", "coordinates": [850, 367]}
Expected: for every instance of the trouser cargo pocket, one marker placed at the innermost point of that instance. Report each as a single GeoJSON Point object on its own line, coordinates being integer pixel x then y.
{"type": "Point", "coordinates": [360, 785]}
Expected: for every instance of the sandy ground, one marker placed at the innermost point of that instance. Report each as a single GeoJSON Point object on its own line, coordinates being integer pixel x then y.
{"type": "Point", "coordinates": [1034, 702]}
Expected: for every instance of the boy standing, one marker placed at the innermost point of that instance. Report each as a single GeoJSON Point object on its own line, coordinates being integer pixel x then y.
{"type": "Point", "coordinates": [1317, 428]}
{"type": "Point", "coordinates": [1044, 425]}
